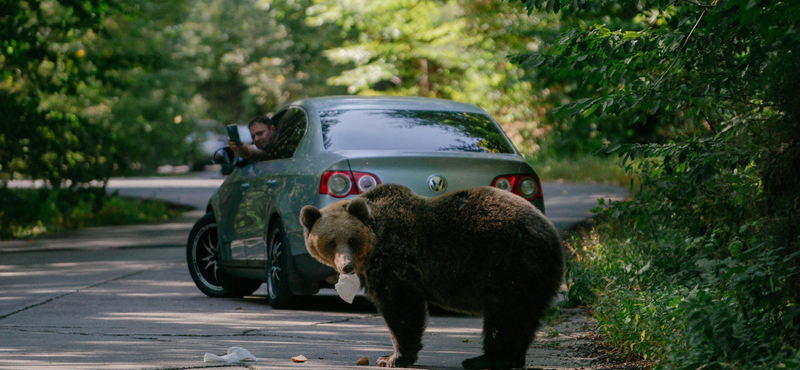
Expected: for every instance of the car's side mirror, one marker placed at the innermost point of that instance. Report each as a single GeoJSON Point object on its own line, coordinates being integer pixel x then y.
{"type": "Point", "coordinates": [228, 160]}
{"type": "Point", "coordinates": [224, 156]}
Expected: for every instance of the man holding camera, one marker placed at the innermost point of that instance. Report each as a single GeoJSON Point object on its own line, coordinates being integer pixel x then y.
{"type": "Point", "coordinates": [264, 133]}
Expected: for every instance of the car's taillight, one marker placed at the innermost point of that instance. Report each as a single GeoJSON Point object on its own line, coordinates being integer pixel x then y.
{"type": "Point", "coordinates": [365, 181]}
{"type": "Point", "coordinates": [336, 183]}
{"type": "Point", "coordinates": [343, 183]}
{"type": "Point", "coordinates": [524, 185]}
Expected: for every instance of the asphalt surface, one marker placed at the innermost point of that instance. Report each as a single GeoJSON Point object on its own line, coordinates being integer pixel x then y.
{"type": "Point", "coordinates": [122, 298]}
{"type": "Point", "coordinates": [133, 308]}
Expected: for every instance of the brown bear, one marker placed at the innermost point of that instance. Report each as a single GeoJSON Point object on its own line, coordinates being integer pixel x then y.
{"type": "Point", "coordinates": [477, 251]}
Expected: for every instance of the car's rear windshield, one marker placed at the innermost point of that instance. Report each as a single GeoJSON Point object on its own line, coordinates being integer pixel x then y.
{"type": "Point", "coordinates": [411, 130]}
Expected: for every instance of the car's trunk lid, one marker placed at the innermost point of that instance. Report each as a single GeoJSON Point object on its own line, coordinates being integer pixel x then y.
{"type": "Point", "coordinates": [419, 171]}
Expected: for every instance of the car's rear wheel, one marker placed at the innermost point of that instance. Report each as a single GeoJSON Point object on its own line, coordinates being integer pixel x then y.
{"type": "Point", "coordinates": [202, 256]}
{"type": "Point", "coordinates": [280, 295]}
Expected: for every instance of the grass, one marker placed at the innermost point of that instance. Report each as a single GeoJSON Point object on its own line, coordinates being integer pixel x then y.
{"type": "Point", "coordinates": [583, 169]}
{"type": "Point", "coordinates": [120, 210]}
{"type": "Point", "coordinates": [125, 211]}
{"type": "Point", "coordinates": [33, 212]}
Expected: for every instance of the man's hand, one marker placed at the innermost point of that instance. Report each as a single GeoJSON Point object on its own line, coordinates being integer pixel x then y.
{"type": "Point", "coordinates": [244, 151]}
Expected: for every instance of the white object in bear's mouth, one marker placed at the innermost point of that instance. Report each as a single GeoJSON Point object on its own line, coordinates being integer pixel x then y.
{"type": "Point", "coordinates": [348, 286]}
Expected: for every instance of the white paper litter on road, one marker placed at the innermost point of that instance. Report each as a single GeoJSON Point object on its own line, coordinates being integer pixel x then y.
{"type": "Point", "coordinates": [235, 354]}
{"type": "Point", "coordinates": [348, 286]}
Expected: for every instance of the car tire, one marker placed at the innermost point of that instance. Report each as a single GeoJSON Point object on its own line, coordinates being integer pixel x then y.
{"type": "Point", "coordinates": [202, 257]}
{"type": "Point", "coordinates": [279, 294]}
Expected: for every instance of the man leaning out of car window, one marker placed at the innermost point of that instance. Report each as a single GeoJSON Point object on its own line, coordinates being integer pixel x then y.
{"type": "Point", "coordinates": [264, 133]}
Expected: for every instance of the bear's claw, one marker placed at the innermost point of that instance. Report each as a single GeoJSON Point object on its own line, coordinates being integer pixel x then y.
{"type": "Point", "coordinates": [394, 360]}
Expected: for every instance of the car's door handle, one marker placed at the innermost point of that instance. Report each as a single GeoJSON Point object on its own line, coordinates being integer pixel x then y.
{"type": "Point", "coordinates": [244, 187]}
{"type": "Point", "coordinates": [271, 183]}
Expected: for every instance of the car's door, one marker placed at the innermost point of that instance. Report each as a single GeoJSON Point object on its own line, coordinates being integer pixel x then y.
{"type": "Point", "coordinates": [231, 194]}
{"type": "Point", "coordinates": [264, 182]}
{"type": "Point", "coordinates": [241, 218]}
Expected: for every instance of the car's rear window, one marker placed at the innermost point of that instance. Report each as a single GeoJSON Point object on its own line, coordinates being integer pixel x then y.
{"type": "Point", "coordinates": [411, 130]}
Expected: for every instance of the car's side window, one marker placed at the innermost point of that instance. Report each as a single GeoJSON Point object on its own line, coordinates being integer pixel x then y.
{"type": "Point", "coordinates": [291, 129]}
{"type": "Point", "coordinates": [277, 117]}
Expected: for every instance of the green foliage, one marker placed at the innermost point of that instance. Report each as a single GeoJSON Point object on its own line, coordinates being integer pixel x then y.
{"type": "Point", "coordinates": [54, 119]}
{"type": "Point", "coordinates": [447, 49]}
{"type": "Point", "coordinates": [702, 268]}
{"type": "Point", "coordinates": [94, 89]}
{"type": "Point", "coordinates": [31, 212]}
{"type": "Point", "coordinates": [196, 65]}
{"type": "Point", "coordinates": [667, 299]}
{"type": "Point", "coordinates": [118, 210]}
{"type": "Point", "coordinates": [680, 56]}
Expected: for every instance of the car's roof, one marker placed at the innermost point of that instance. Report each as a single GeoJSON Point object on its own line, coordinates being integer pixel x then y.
{"type": "Point", "coordinates": [385, 102]}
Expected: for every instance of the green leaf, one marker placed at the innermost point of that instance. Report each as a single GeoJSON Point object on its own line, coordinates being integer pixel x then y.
{"type": "Point", "coordinates": [735, 247]}
{"type": "Point", "coordinates": [591, 110]}
{"type": "Point", "coordinates": [551, 5]}
{"type": "Point", "coordinates": [630, 35]}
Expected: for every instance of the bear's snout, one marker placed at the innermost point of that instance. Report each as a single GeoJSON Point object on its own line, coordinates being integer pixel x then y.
{"type": "Point", "coordinates": [343, 259]}
{"type": "Point", "coordinates": [348, 268]}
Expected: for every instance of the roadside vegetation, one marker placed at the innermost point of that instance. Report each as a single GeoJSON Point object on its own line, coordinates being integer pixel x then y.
{"type": "Point", "coordinates": [701, 268]}
{"type": "Point", "coordinates": [587, 168]}
{"type": "Point", "coordinates": [30, 212]}
{"type": "Point", "coordinates": [693, 104]}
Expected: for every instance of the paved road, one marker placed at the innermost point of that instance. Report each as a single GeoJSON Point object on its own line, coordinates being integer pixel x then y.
{"type": "Point", "coordinates": [138, 309]}
{"type": "Point", "coordinates": [122, 298]}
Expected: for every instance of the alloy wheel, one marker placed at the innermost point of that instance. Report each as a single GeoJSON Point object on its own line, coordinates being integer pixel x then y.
{"type": "Point", "coordinates": [205, 257]}
{"type": "Point", "coordinates": [275, 264]}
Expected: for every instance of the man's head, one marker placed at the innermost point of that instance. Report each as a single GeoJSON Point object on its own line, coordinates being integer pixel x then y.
{"type": "Point", "coordinates": [263, 131]}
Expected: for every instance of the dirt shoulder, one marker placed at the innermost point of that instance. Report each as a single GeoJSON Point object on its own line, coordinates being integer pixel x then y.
{"type": "Point", "coordinates": [573, 343]}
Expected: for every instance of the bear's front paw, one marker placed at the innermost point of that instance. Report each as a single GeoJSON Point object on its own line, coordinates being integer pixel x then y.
{"type": "Point", "coordinates": [395, 360]}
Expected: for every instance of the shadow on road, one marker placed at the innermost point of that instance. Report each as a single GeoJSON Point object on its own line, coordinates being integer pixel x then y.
{"type": "Point", "coordinates": [328, 301]}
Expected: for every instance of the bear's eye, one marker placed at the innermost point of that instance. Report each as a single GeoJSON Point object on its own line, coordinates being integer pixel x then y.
{"type": "Point", "coordinates": [351, 240]}
{"type": "Point", "coordinates": [332, 244]}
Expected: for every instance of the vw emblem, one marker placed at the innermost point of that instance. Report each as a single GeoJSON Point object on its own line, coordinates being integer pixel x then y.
{"type": "Point", "coordinates": [437, 184]}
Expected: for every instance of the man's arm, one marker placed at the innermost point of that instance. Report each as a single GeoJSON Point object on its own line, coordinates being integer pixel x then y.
{"type": "Point", "coordinates": [244, 151]}
{"type": "Point", "coordinates": [247, 151]}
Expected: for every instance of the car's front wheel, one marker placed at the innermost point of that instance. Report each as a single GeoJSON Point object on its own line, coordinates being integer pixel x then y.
{"type": "Point", "coordinates": [280, 296]}
{"type": "Point", "coordinates": [202, 256]}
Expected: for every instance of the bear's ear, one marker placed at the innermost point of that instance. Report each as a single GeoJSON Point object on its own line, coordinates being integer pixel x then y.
{"type": "Point", "coordinates": [309, 215]}
{"type": "Point", "coordinates": [358, 207]}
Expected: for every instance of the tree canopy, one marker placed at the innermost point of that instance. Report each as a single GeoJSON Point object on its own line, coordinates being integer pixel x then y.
{"type": "Point", "coordinates": [95, 89]}
{"type": "Point", "coordinates": [55, 120]}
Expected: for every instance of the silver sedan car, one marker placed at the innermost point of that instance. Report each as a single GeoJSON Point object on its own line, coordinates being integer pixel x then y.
{"type": "Point", "coordinates": [333, 148]}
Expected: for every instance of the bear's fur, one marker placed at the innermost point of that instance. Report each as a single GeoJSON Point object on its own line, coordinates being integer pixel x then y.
{"type": "Point", "coordinates": [478, 251]}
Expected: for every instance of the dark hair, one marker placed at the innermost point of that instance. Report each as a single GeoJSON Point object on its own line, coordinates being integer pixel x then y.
{"type": "Point", "coordinates": [264, 120]}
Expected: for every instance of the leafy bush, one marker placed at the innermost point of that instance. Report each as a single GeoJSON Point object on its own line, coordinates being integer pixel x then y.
{"type": "Point", "coordinates": [702, 268]}
{"type": "Point", "coordinates": [697, 270]}
{"type": "Point", "coordinates": [31, 212]}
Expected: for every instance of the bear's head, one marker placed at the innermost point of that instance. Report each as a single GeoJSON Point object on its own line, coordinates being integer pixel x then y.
{"type": "Point", "coordinates": [338, 235]}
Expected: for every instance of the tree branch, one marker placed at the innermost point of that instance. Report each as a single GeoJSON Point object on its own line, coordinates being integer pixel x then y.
{"type": "Point", "coordinates": [713, 5]}
{"type": "Point", "coordinates": [672, 64]}
{"type": "Point", "coordinates": [708, 121]}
